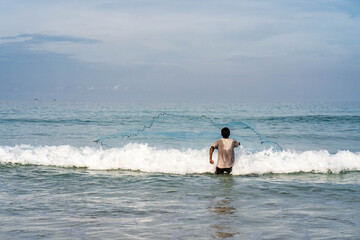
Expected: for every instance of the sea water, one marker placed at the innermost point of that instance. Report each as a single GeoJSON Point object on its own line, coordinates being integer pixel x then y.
{"type": "Point", "coordinates": [72, 170]}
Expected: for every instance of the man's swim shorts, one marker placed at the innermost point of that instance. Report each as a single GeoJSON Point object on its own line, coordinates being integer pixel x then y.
{"type": "Point", "coordinates": [223, 170]}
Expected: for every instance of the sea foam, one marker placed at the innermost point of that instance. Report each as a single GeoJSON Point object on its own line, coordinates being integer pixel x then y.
{"type": "Point", "coordinates": [141, 157]}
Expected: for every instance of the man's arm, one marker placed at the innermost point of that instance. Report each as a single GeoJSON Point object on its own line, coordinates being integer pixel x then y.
{"type": "Point", "coordinates": [211, 153]}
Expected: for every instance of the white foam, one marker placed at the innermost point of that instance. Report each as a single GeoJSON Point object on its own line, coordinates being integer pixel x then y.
{"type": "Point", "coordinates": [148, 159]}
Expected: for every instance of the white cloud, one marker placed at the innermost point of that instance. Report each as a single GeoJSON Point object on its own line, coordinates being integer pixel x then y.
{"type": "Point", "coordinates": [117, 87]}
{"type": "Point", "coordinates": [196, 42]}
{"type": "Point", "coordinates": [186, 37]}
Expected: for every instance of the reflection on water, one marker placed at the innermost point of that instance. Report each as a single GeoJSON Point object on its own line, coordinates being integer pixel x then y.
{"type": "Point", "coordinates": [222, 208]}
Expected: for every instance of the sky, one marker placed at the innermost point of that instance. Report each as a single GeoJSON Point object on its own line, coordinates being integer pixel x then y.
{"type": "Point", "coordinates": [180, 50]}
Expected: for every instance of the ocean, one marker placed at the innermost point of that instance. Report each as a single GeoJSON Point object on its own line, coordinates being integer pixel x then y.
{"type": "Point", "coordinates": [87, 170]}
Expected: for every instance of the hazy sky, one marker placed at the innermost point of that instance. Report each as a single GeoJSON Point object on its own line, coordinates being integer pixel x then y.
{"type": "Point", "coordinates": [237, 50]}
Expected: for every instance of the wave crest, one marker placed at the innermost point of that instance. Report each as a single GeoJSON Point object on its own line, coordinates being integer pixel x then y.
{"type": "Point", "coordinates": [143, 158]}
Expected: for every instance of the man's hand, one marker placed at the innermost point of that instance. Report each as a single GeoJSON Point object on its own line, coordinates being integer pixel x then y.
{"type": "Point", "coordinates": [211, 161]}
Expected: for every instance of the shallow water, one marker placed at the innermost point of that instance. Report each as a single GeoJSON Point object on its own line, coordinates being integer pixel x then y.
{"type": "Point", "coordinates": [58, 184]}
{"type": "Point", "coordinates": [44, 202]}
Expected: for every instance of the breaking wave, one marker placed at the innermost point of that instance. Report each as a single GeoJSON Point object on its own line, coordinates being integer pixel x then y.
{"type": "Point", "coordinates": [141, 157]}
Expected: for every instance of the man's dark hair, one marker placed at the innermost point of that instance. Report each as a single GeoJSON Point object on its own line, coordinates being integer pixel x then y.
{"type": "Point", "coordinates": [225, 132]}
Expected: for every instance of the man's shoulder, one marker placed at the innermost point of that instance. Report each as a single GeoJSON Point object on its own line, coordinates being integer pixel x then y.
{"type": "Point", "coordinates": [216, 143]}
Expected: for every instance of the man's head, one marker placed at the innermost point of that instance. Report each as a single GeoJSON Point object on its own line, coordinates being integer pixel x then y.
{"type": "Point", "coordinates": [225, 132]}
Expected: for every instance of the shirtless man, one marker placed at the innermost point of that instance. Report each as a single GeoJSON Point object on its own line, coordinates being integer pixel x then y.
{"type": "Point", "coordinates": [226, 155]}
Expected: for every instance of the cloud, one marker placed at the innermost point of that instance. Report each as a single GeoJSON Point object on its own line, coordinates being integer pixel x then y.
{"type": "Point", "coordinates": [184, 33]}
{"type": "Point", "coordinates": [41, 38]}
{"type": "Point", "coordinates": [187, 47]}
{"type": "Point", "coordinates": [117, 87]}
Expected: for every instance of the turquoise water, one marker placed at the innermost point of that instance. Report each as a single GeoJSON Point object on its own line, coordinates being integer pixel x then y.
{"type": "Point", "coordinates": [302, 182]}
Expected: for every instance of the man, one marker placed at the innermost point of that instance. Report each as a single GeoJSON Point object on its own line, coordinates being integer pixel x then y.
{"type": "Point", "coordinates": [226, 155]}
